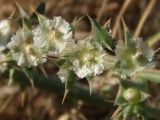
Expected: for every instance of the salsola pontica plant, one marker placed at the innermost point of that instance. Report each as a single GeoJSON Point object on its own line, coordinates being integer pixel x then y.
{"type": "Point", "coordinates": [39, 40]}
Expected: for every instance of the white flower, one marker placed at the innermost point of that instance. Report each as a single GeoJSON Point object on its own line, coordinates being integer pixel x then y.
{"type": "Point", "coordinates": [5, 32]}
{"type": "Point", "coordinates": [3, 64]}
{"type": "Point", "coordinates": [24, 51]}
{"type": "Point", "coordinates": [52, 35]}
{"type": "Point", "coordinates": [88, 59]}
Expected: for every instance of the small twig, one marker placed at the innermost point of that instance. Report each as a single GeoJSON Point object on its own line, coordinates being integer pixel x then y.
{"type": "Point", "coordinates": [120, 15]}
{"type": "Point", "coordinates": [153, 39]}
{"type": "Point", "coordinates": [102, 8]}
{"type": "Point", "coordinates": [5, 104]}
{"type": "Point", "coordinates": [12, 14]}
{"type": "Point", "coordinates": [144, 17]}
{"type": "Point", "coordinates": [157, 50]}
{"type": "Point", "coordinates": [23, 96]}
{"type": "Point", "coordinates": [116, 113]}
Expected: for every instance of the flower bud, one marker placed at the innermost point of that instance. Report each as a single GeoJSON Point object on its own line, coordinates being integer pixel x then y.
{"type": "Point", "coordinates": [132, 95]}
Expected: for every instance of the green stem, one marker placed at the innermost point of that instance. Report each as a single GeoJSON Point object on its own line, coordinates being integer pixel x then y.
{"type": "Point", "coordinates": [55, 85]}
{"type": "Point", "coordinates": [149, 75]}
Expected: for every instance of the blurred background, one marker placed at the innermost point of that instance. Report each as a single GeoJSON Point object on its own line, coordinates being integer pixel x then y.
{"type": "Point", "coordinates": [102, 10]}
{"type": "Point", "coordinates": [142, 18]}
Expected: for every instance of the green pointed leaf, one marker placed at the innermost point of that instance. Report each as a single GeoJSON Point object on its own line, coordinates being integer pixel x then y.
{"type": "Point", "coordinates": [69, 83]}
{"type": "Point", "coordinates": [40, 9]}
{"type": "Point", "coordinates": [90, 82]}
{"type": "Point", "coordinates": [128, 112]}
{"type": "Point", "coordinates": [28, 74]}
{"type": "Point", "coordinates": [41, 19]}
{"type": "Point", "coordinates": [30, 19]}
{"type": "Point", "coordinates": [102, 36]}
{"type": "Point", "coordinates": [65, 95]}
{"type": "Point", "coordinates": [70, 80]}
{"type": "Point", "coordinates": [136, 109]}
{"type": "Point", "coordinates": [23, 13]}
{"type": "Point", "coordinates": [26, 24]}
{"type": "Point", "coordinates": [27, 21]}
{"type": "Point", "coordinates": [129, 39]}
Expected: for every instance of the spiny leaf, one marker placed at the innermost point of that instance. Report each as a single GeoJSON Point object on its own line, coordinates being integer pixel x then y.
{"type": "Point", "coordinates": [25, 24]}
{"type": "Point", "coordinates": [128, 38]}
{"type": "Point", "coordinates": [65, 95]}
{"type": "Point", "coordinates": [26, 72]}
{"type": "Point", "coordinates": [102, 35]}
{"type": "Point", "coordinates": [128, 112]}
{"type": "Point", "coordinates": [90, 82]}
{"type": "Point", "coordinates": [41, 18]}
{"type": "Point", "coordinates": [33, 18]}
{"type": "Point", "coordinates": [23, 13]}
{"type": "Point", "coordinates": [40, 9]}
{"type": "Point", "coordinates": [70, 80]}
{"type": "Point", "coordinates": [69, 84]}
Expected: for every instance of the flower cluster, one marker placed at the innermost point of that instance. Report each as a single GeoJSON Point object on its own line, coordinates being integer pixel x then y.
{"type": "Point", "coordinates": [32, 47]}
